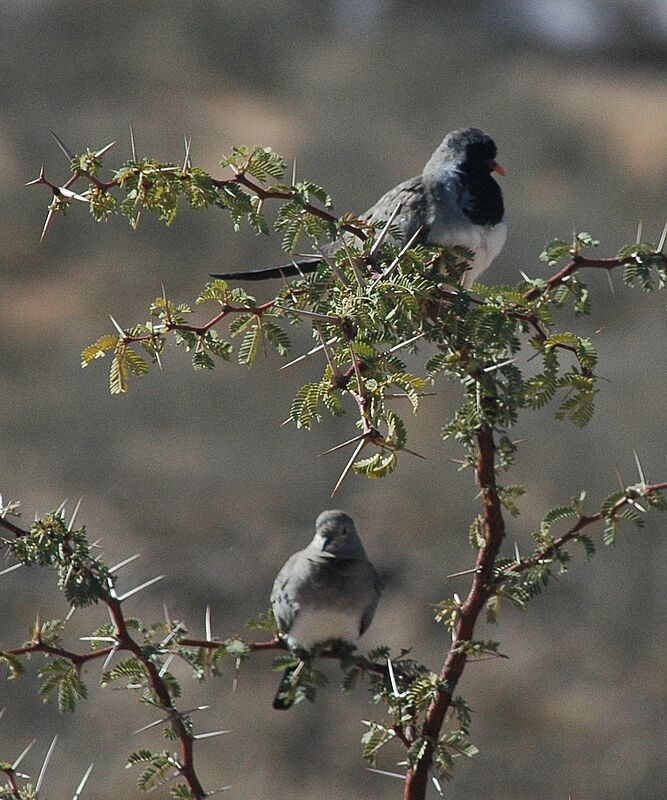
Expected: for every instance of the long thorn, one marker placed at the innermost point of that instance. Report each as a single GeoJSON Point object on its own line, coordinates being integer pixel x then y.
{"type": "Point", "coordinates": [640, 227]}
{"type": "Point", "coordinates": [74, 513]}
{"type": "Point", "coordinates": [68, 153]}
{"type": "Point", "coordinates": [79, 788]}
{"type": "Point", "coordinates": [463, 572]}
{"type": "Point", "coordinates": [387, 272]}
{"type": "Point", "coordinates": [45, 764]}
{"type": "Point", "coordinates": [186, 160]}
{"type": "Point", "coordinates": [311, 352]}
{"type": "Point", "coordinates": [405, 343]}
{"type": "Point", "coordinates": [342, 445]}
{"type": "Point", "coordinates": [207, 623]}
{"type": "Point", "coordinates": [139, 588]}
{"type": "Point", "coordinates": [124, 563]}
{"type": "Point", "coordinates": [133, 144]}
{"type": "Point", "coordinates": [47, 224]}
{"type": "Point", "coordinates": [355, 267]}
{"type": "Point", "coordinates": [348, 466]}
{"type": "Point", "coordinates": [386, 772]}
{"type": "Point", "coordinates": [385, 230]}
{"type": "Point", "coordinates": [11, 569]}
{"type": "Point", "coordinates": [23, 754]}
{"type": "Point", "coordinates": [208, 735]}
{"type": "Point", "coordinates": [105, 149]}
{"type": "Point", "coordinates": [663, 238]}
{"type": "Point", "coordinates": [117, 326]}
{"type": "Point", "coordinates": [392, 678]}
{"type": "Point", "coordinates": [642, 477]}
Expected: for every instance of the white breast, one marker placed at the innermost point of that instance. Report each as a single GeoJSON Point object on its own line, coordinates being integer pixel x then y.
{"type": "Point", "coordinates": [317, 626]}
{"type": "Point", "coordinates": [486, 241]}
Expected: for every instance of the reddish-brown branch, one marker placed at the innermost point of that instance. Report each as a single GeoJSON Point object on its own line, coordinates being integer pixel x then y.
{"type": "Point", "coordinates": [76, 658]}
{"type": "Point", "coordinates": [201, 330]}
{"type": "Point", "coordinates": [582, 262]}
{"type": "Point", "coordinates": [573, 532]}
{"type": "Point", "coordinates": [11, 780]}
{"type": "Point", "coordinates": [269, 193]}
{"type": "Point", "coordinates": [416, 780]}
{"type": "Point", "coordinates": [126, 642]}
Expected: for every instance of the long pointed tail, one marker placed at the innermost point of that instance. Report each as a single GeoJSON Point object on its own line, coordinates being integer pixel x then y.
{"type": "Point", "coordinates": [304, 267]}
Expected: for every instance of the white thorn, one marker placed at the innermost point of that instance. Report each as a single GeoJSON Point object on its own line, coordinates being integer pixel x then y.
{"type": "Point", "coordinates": [663, 238]}
{"type": "Point", "coordinates": [348, 466]}
{"type": "Point", "coordinates": [117, 326]}
{"type": "Point", "coordinates": [207, 623]}
{"type": "Point", "coordinates": [124, 563]}
{"type": "Point", "coordinates": [517, 555]}
{"type": "Point", "coordinates": [392, 678]}
{"type": "Point", "coordinates": [171, 635]}
{"type": "Point", "coordinates": [11, 569]}
{"type": "Point", "coordinates": [133, 144]}
{"type": "Point", "coordinates": [70, 613]}
{"type": "Point", "coordinates": [139, 588]}
{"type": "Point", "coordinates": [166, 664]}
{"type": "Point", "coordinates": [107, 660]}
{"type": "Point", "coordinates": [61, 508]}
{"type": "Point", "coordinates": [640, 226]}
{"type": "Point", "coordinates": [406, 342]}
{"type": "Point", "coordinates": [208, 735]}
{"type": "Point", "coordinates": [499, 366]}
{"type": "Point", "coordinates": [105, 149]}
{"type": "Point", "coordinates": [642, 477]}
{"type": "Point", "coordinates": [385, 772]}
{"type": "Point", "coordinates": [294, 172]}
{"type": "Point", "coordinates": [398, 258]}
{"type": "Point", "coordinates": [383, 233]}
{"type": "Point", "coordinates": [79, 788]}
{"type": "Point", "coordinates": [150, 725]}
{"type": "Point", "coordinates": [23, 754]}
{"type": "Point", "coordinates": [74, 513]}
{"type": "Point", "coordinates": [97, 638]}
{"type": "Point", "coordinates": [437, 785]}
{"type": "Point", "coordinates": [42, 771]}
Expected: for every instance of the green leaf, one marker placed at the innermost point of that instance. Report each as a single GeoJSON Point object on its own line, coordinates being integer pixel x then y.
{"type": "Point", "coordinates": [555, 250]}
{"type": "Point", "coordinates": [14, 666]}
{"type": "Point", "coordinates": [99, 348]}
{"type": "Point", "coordinates": [250, 345]}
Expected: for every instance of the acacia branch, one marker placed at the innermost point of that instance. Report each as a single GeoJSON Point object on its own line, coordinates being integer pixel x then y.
{"type": "Point", "coordinates": [125, 642]}
{"type": "Point", "coordinates": [11, 779]}
{"type": "Point", "coordinates": [583, 262]}
{"type": "Point", "coordinates": [416, 780]}
{"type": "Point", "coordinates": [583, 522]}
{"type": "Point", "coordinates": [76, 658]}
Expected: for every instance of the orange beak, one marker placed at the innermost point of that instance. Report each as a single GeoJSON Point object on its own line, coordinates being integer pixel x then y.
{"type": "Point", "coordinates": [496, 167]}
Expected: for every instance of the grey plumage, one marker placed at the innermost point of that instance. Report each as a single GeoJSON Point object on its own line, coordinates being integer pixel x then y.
{"type": "Point", "coordinates": [324, 593]}
{"type": "Point", "coordinates": [454, 201]}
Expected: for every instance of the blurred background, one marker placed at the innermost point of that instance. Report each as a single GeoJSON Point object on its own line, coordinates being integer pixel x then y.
{"type": "Point", "coordinates": [193, 470]}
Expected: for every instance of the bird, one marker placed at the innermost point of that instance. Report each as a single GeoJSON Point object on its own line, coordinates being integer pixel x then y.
{"type": "Point", "coordinates": [326, 593]}
{"type": "Point", "coordinates": [454, 202]}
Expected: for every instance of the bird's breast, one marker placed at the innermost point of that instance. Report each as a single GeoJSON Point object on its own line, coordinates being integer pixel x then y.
{"type": "Point", "coordinates": [317, 626]}
{"type": "Point", "coordinates": [486, 241]}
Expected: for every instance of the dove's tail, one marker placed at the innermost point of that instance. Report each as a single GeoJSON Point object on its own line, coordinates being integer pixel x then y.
{"type": "Point", "coordinates": [302, 267]}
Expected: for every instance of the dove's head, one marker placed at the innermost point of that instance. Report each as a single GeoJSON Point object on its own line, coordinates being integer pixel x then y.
{"type": "Point", "coordinates": [469, 150]}
{"type": "Point", "coordinates": [336, 535]}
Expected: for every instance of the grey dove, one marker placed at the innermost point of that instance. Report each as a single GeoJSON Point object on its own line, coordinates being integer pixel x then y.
{"type": "Point", "coordinates": [455, 201]}
{"type": "Point", "coordinates": [325, 593]}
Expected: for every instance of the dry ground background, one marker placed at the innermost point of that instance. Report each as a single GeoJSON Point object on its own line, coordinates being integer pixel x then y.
{"type": "Point", "coordinates": [194, 471]}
